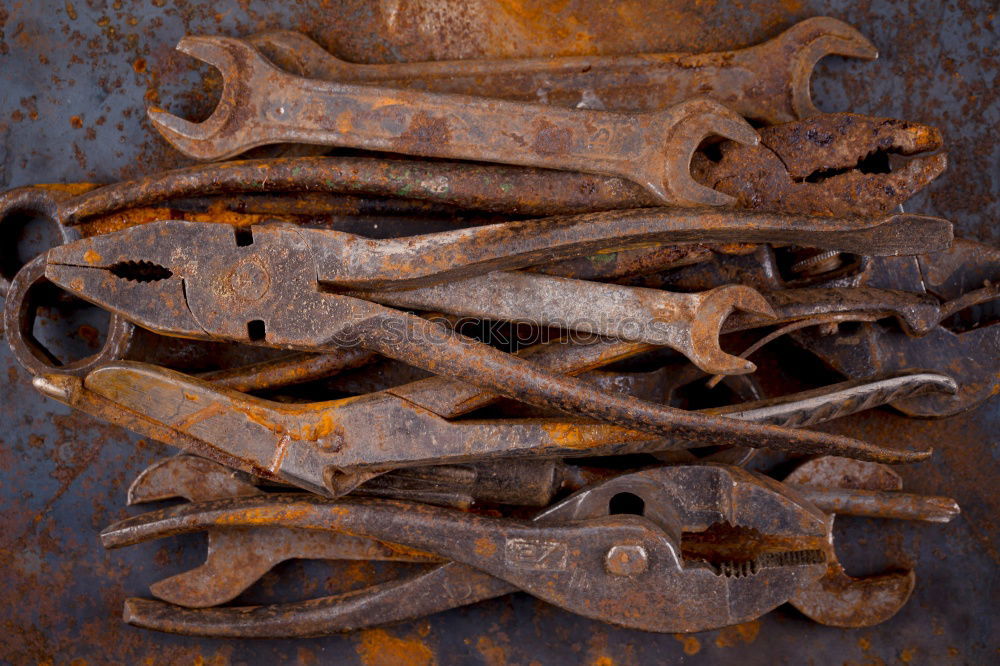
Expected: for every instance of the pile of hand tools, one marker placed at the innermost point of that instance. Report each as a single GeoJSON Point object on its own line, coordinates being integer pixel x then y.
{"type": "Point", "coordinates": [481, 354]}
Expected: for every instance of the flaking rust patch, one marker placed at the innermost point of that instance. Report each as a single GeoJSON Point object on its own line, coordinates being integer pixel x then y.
{"type": "Point", "coordinates": [485, 547]}
{"type": "Point", "coordinates": [378, 646]}
{"type": "Point", "coordinates": [264, 515]}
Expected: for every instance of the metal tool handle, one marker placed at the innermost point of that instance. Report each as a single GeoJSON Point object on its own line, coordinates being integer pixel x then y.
{"type": "Point", "coordinates": [881, 504]}
{"type": "Point", "coordinates": [768, 82]}
{"type": "Point", "coordinates": [433, 348]}
{"type": "Point", "coordinates": [262, 105]}
{"type": "Point", "coordinates": [689, 323]}
{"type": "Point", "coordinates": [563, 564]}
{"type": "Point", "coordinates": [441, 588]}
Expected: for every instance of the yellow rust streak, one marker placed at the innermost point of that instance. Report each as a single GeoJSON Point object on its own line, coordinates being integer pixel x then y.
{"type": "Point", "coordinates": [202, 414]}
{"type": "Point", "coordinates": [92, 257]}
{"type": "Point", "coordinates": [217, 213]}
{"type": "Point", "coordinates": [300, 426]}
{"type": "Point", "coordinates": [299, 422]}
{"type": "Point", "coordinates": [485, 547]}
{"type": "Point", "coordinates": [570, 435]}
{"type": "Point", "coordinates": [264, 515]}
{"type": "Point", "coordinates": [387, 101]}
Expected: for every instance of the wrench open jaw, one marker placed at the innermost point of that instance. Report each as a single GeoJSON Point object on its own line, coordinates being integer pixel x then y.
{"type": "Point", "coordinates": [834, 485]}
{"type": "Point", "coordinates": [629, 570]}
{"type": "Point", "coordinates": [768, 83]}
{"type": "Point", "coordinates": [262, 105]}
{"type": "Point", "coordinates": [852, 487]}
{"type": "Point", "coordinates": [689, 323]}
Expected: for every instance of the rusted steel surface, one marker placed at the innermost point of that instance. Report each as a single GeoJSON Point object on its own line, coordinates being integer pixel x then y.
{"type": "Point", "coordinates": [630, 563]}
{"type": "Point", "coordinates": [346, 261]}
{"type": "Point", "coordinates": [64, 472]}
{"type": "Point", "coordinates": [689, 323]}
{"type": "Point", "coordinates": [768, 83]}
{"type": "Point", "coordinates": [843, 486]}
{"type": "Point", "coordinates": [20, 309]}
{"type": "Point", "coordinates": [833, 164]}
{"type": "Point", "coordinates": [261, 105]}
{"type": "Point", "coordinates": [756, 175]}
{"type": "Point", "coordinates": [965, 341]}
{"type": "Point", "coordinates": [314, 445]}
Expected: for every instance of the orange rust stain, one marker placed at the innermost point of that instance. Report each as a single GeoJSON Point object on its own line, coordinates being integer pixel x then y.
{"type": "Point", "coordinates": [344, 122]}
{"type": "Point", "coordinates": [691, 644]}
{"type": "Point", "coordinates": [603, 661]}
{"type": "Point", "coordinates": [735, 248]}
{"type": "Point", "coordinates": [70, 188]}
{"type": "Point", "coordinates": [907, 655]}
{"type": "Point", "coordinates": [203, 414]}
{"type": "Point", "coordinates": [737, 634]}
{"type": "Point", "coordinates": [106, 224]}
{"type": "Point", "coordinates": [76, 122]}
{"type": "Point", "coordinates": [493, 654]}
{"type": "Point", "coordinates": [92, 257]}
{"type": "Point", "coordinates": [545, 22]}
{"type": "Point", "coordinates": [377, 646]}
{"type": "Point", "coordinates": [139, 65]}
{"type": "Point", "coordinates": [864, 643]}
{"type": "Point", "coordinates": [485, 547]}
{"type": "Point", "coordinates": [386, 101]}
{"type": "Point", "coordinates": [264, 515]}
{"type": "Point", "coordinates": [305, 424]}
{"type": "Point", "coordinates": [587, 435]}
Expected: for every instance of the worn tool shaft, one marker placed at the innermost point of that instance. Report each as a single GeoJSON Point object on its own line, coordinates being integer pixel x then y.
{"type": "Point", "coordinates": [768, 82]}
{"type": "Point", "coordinates": [881, 504]}
{"type": "Point", "coordinates": [262, 105]}
{"type": "Point", "coordinates": [689, 323]}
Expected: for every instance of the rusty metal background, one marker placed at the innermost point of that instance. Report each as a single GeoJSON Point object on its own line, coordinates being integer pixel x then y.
{"type": "Point", "coordinates": [74, 80]}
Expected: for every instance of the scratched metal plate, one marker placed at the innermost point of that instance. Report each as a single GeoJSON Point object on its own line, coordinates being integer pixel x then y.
{"type": "Point", "coordinates": [75, 77]}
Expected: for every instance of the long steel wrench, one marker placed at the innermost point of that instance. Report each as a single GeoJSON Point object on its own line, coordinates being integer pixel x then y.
{"type": "Point", "coordinates": [262, 105]}
{"type": "Point", "coordinates": [689, 323]}
{"type": "Point", "coordinates": [768, 82]}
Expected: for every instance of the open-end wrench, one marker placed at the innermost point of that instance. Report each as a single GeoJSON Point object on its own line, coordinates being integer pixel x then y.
{"type": "Point", "coordinates": [768, 82]}
{"type": "Point", "coordinates": [262, 105]}
{"type": "Point", "coordinates": [851, 487]}
{"type": "Point", "coordinates": [756, 175]}
{"type": "Point", "coordinates": [689, 323]}
{"type": "Point", "coordinates": [916, 313]}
